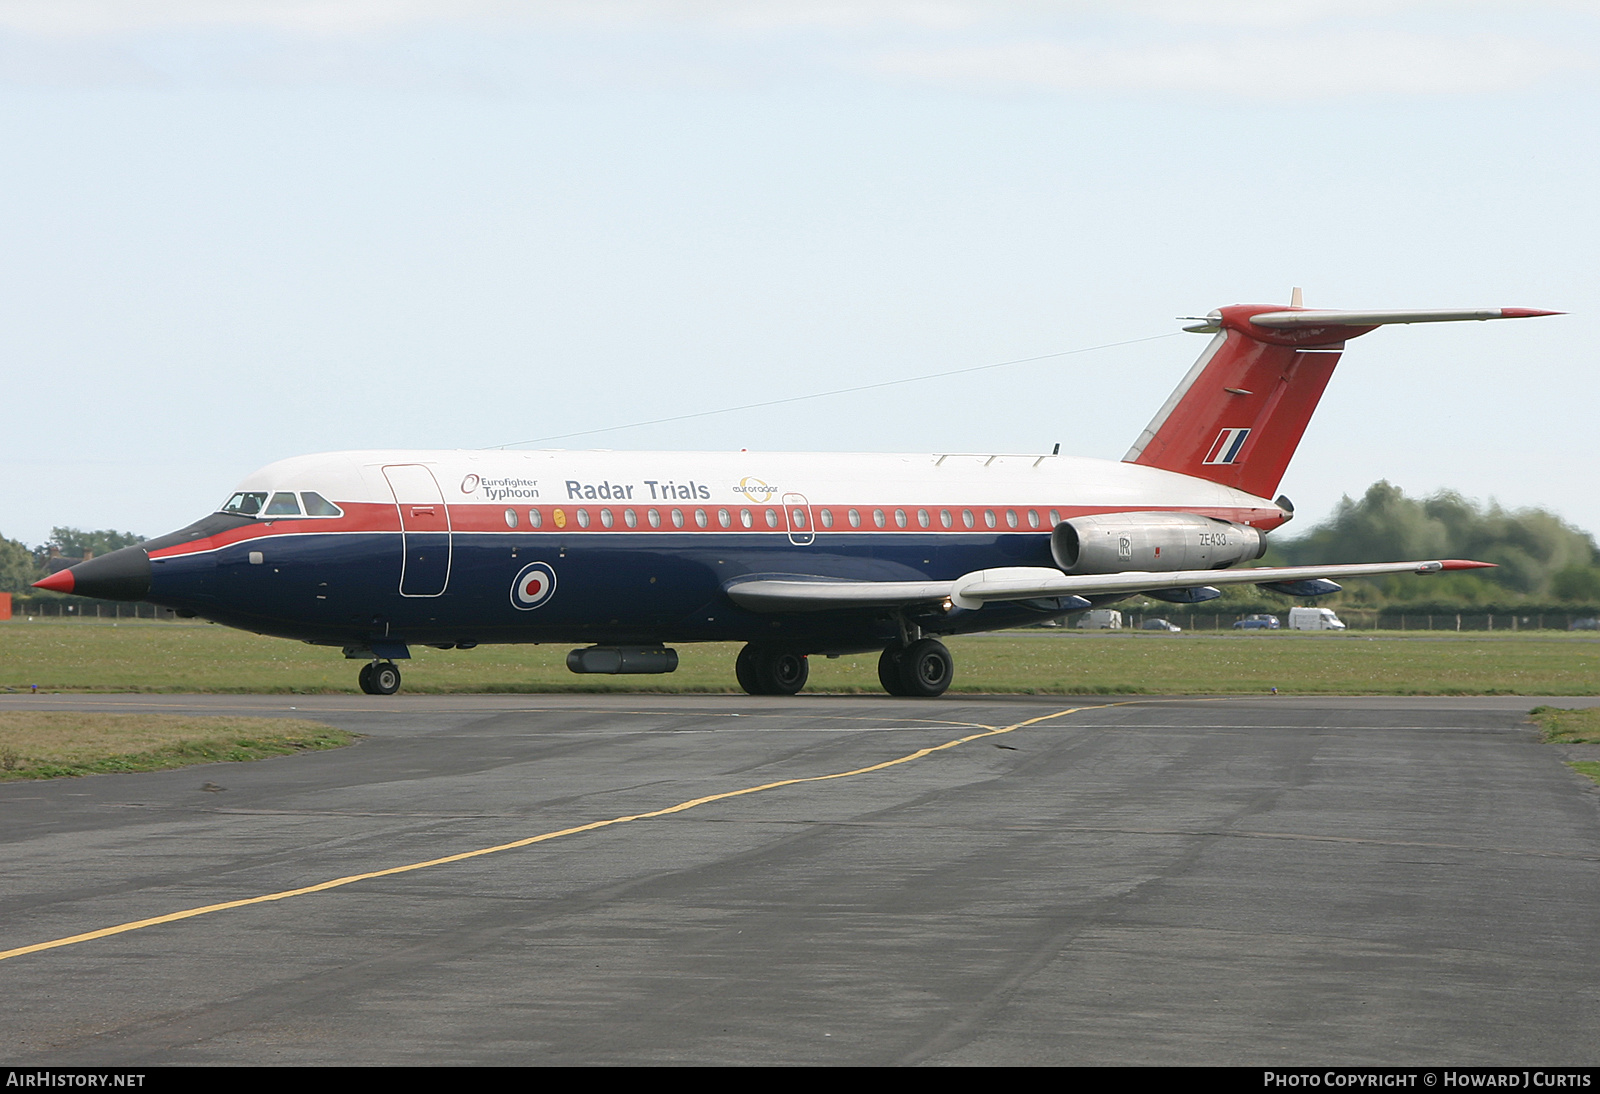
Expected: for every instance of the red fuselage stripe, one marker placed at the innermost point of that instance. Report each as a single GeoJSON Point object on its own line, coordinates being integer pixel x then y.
{"type": "Point", "coordinates": [379, 518]}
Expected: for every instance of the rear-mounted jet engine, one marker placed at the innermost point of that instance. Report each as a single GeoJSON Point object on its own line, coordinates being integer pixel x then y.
{"type": "Point", "coordinates": [1114, 543]}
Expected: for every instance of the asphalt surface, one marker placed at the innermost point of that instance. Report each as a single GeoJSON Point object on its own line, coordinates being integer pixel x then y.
{"type": "Point", "coordinates": [1264, 881]}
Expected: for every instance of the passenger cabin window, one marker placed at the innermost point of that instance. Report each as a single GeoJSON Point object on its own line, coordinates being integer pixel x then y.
{"type": "Point", "coordinates": [534, 518]}
{"type": "Point", "coordinates": [511, 518]}
{"type": "Point", "coordinates": [1033, 518]}
{"type": "Point", "coordinates": [283, 504]}
{"type": "Point", "coordinates": [922, 518]}
{"type": "Point", "coordinates": [245, 505]}
{"type": "Point", "coordinates": [827, 518]}
{"type": "Point", "coordinates": [319, 506]}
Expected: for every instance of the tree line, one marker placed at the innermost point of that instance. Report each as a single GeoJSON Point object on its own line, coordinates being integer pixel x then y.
{"type": "Point", "coordinates": [21, 566]}
{"type": "Point", "coordinates": [1540, 559]}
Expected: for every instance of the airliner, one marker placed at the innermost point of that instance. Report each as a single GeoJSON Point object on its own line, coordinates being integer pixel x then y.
{"type": "Point", "coordinates": [794, 555]}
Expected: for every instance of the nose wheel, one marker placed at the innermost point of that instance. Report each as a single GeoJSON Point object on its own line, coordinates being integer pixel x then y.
{"type": "Point", "coordinates": [923, 669]}
{"type": "Point", "coordinates": [380, 678]}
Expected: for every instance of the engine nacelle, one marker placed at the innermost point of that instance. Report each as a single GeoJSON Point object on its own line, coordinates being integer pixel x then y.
{"type": "Point", "coordinates": [1113, 543]}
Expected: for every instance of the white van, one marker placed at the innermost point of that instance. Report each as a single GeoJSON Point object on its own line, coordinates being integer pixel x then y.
{"type": "Point", "coordinates": [1100, 619]}
{"type": "Point", "coordinates": [1314, 619]}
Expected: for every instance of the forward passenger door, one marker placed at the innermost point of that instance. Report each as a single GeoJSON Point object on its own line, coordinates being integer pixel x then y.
{"type": "Point", "coordinates": [426, 540]}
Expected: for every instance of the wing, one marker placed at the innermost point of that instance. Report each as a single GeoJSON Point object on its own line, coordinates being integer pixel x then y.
{"type": "Point", "coordinates": [815, 594]}
{"type": "Point", "coordinates": [805, 594]}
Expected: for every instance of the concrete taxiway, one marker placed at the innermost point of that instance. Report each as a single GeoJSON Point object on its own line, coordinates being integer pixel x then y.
{"type": "Point", "coordinates": [1235, 881]}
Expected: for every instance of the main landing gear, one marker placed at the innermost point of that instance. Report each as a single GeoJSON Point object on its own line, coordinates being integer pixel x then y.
{"type": "Point", "coordinates": [380, 678]}
{"type": "Point", "coordinates": [771, 670]}
{"type": "Point", "coordinates": [923, 669]}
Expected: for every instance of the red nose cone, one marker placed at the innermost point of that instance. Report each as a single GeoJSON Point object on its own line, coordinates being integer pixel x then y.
{"type": "Point", "coordinates": [61, 581]}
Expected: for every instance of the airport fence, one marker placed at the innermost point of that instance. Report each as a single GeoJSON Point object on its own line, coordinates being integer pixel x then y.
{"type": "Point", "coordinates": [1385, 619]}
{"type": "Point", "coordinates": [23, 609]}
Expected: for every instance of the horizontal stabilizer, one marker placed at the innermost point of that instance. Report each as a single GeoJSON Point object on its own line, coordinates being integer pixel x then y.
{"type": "Point", "coordinates": [1291, 320]}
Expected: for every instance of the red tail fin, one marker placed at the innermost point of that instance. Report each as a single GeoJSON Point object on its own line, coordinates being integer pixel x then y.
{"type": "Point", "coordinates": [1238, 416]}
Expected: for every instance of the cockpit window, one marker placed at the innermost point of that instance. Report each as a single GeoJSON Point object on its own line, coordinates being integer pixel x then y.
{"type": "Point", "coordinates": [319, 506]}
{"type": "Point", "coordinates": [245, 505]}
{"type": "Point", "coordinates": [283, 504]}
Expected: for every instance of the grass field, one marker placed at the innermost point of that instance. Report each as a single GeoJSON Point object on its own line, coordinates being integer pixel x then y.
{"type": "Point", "coordinates": [184, 657]}
{"type": "Point", "coordinates": [1571, 727]}
{"type": "Point", "coordinates": [49, 744]}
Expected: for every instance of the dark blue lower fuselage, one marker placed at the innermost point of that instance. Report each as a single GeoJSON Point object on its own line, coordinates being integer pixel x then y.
{"type": "Point", "coordinates": [347, 588]}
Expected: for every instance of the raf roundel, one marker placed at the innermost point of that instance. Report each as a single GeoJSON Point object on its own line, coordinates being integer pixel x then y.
{"type": "Point", "coordinates": [533, 586]}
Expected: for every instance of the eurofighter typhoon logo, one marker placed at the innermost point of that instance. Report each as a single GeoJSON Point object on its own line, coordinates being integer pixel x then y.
{"type": "Point", "coordinates": [508, 489]}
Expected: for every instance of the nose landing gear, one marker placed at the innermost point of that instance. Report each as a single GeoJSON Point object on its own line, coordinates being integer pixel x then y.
{"type": "Point", "coordinates": [380, 678]}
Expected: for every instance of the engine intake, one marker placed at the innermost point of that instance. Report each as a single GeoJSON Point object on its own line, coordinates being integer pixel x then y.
{"type": "Point", "coordinates": [1115, 543]}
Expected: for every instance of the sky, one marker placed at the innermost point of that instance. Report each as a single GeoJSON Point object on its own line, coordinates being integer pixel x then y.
{"type": "Point", "coordinates": [234, 231]}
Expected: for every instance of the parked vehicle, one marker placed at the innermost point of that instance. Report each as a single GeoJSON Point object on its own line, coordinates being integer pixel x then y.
{"type": "Point", "coordinates": [1160, 625]}
{"type": "Point", "coordinates": [1314, 619]}
{"type": "Point", "coordinates": [1100, 619]}
{"type": "Point", "coordinates": [1590, 624]}
{"type": "Point", "coordinates": [1257, 623]}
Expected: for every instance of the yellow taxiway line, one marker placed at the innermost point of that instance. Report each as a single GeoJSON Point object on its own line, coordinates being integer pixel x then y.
{"type": "Point", "coordinates": [190, 913]}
